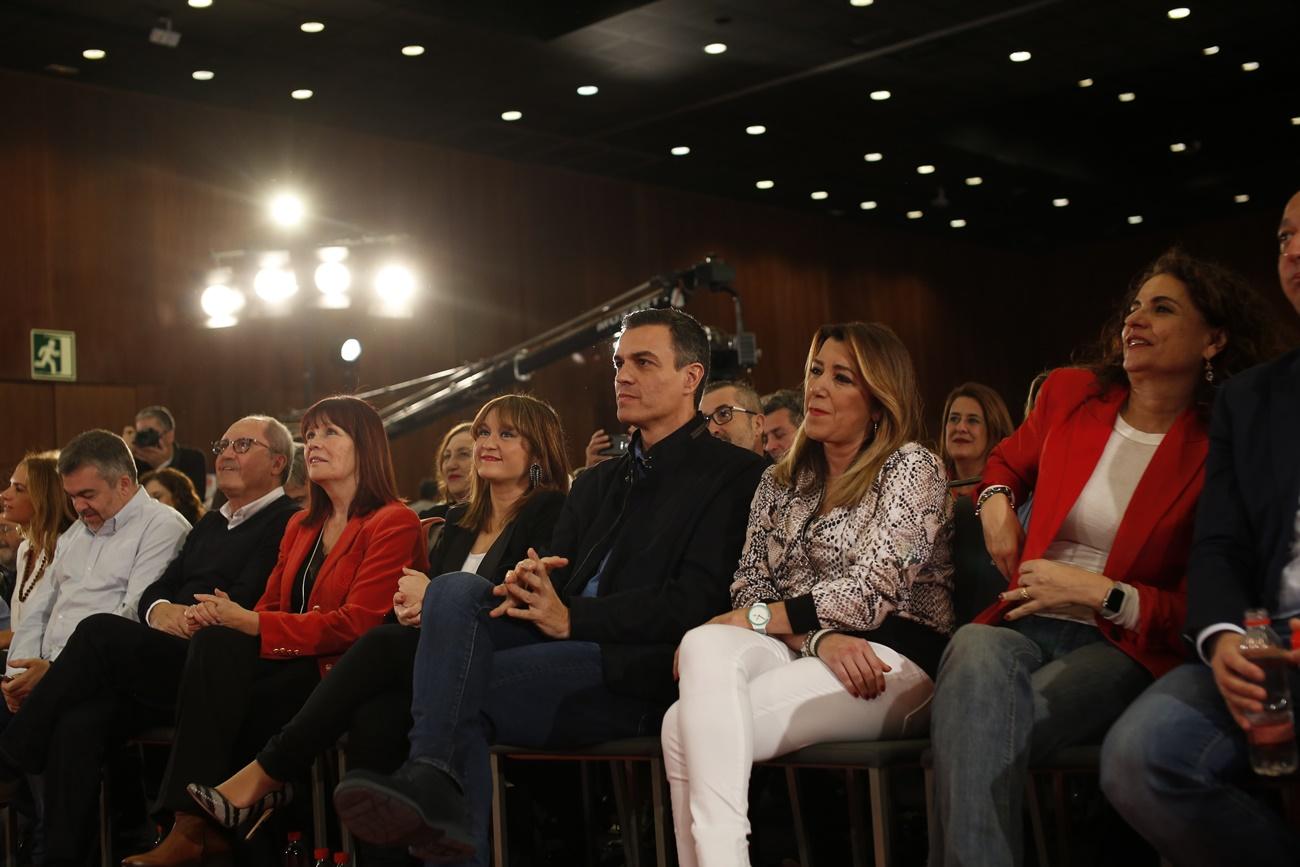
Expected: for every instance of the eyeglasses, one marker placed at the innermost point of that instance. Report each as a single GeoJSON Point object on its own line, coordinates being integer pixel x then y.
{"type": "Point", "coordinates": [724, 414]}
{"type": "Point", "coordinates": [241, 445]}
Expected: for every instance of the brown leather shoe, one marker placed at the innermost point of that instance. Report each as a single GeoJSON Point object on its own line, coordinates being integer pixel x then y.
{"type": "Point", "coordinates": [192, 842]}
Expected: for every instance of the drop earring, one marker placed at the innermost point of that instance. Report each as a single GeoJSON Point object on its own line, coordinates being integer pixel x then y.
{"type": "Point", "coordinates": [1209, 371]}
{"type": "Point", "coordinates": [534, 475]}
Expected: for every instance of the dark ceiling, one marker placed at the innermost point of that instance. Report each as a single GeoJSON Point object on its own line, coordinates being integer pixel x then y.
{"type": "Point", "coordinates": [804, 69]}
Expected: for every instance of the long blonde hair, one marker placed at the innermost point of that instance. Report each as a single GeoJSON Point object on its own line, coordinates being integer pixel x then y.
{"type": "Point", "coordinates": [51, 508]}
{"type": "Point", "coordinates": [884, 367]}
{"type": "Point", "coordinates": [539, 424]}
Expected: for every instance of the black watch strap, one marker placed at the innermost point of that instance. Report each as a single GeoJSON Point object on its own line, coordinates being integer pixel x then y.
{"type": "Point", "coordinates": [1114, 600]}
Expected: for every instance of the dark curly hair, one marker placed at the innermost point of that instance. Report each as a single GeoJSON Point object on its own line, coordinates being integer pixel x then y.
{"type": "Point", "coordinates": [1223, 298]}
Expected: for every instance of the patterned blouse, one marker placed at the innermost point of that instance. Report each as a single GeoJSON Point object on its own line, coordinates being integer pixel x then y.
{"type": "Point", "coordinates": [891, 553]}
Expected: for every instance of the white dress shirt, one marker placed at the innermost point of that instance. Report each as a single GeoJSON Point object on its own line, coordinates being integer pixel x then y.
{"type": "Point", "coordinates": [96, 572]}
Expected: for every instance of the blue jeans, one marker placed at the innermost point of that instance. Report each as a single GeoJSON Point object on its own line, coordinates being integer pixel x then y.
{"type": "Point", "coordinates": [1170, 766]}
{"type": "Point", "coordinates": [1005, 696]}
{"type": "Point", "coordinates": [480, 680]}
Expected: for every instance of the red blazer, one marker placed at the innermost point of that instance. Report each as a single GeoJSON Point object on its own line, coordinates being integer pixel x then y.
{"type": "Point", "coordinates": [1055, 452]}
{"type": "Point", "coordinates": [353, 590]}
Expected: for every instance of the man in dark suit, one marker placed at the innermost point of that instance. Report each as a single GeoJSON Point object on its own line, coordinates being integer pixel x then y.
{"type": "Point", "coordinates": [116, 676]}
{"type": "Point", "coordinates": [576, 648]}
{"type": "Point", "coordinates": [153, 442]}
{"type": "Point", "coordinates": [1173, 763]}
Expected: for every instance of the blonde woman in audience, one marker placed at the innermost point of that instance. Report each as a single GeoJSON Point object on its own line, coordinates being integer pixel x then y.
{"type": "Point", "coordinates": [35, 501]}
{"type": "Point", "coordinates": [174, 488]}
{"type": "Point", "coordinates": [841, 600]}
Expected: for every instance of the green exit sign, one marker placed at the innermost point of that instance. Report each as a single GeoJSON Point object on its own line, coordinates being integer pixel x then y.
{"type": "Point", "coordinates": [54, 355]}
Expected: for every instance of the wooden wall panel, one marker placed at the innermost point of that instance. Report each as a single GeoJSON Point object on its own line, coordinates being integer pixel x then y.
{"type": "Point", "coordinates": [115, 201]}
{"type": "Point", "coordinates": [26, 422]}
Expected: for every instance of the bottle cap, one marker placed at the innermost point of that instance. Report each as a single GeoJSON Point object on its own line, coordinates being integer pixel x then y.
{"type": "Point", "coordinates": [295, 836]}
{"type": "Point", "coordinates": [1295, 639]}
{"type": "Point", "coordinates": [340, 857]}
{"type": "Point", "coordinates": [321, 854]}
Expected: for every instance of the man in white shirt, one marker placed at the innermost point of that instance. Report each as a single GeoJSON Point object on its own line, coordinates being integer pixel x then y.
{"type": "Point", "coordinates": [119, 546]}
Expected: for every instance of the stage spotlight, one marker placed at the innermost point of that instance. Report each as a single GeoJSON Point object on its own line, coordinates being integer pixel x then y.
{"type": "Point", "coordinates": [221, 303]}
{"type": "Point", "coordinates": [287, 209]}
{"type": "Point", "coordinates": [350, 351]}
{"type": "Point", "coordinates": [333, 279]}
{"type": "Point", "coordinates": [394, 290]}
{"type": "Point", "coordinates": [275, 285]}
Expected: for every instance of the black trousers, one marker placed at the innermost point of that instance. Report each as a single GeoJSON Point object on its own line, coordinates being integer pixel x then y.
{"type": "Point", "coordinates": [113, 678]}
{"type": "Point", "coordinates": [230, 701]}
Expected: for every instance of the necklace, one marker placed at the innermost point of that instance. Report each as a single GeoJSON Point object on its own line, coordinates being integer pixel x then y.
{"type": "Point", "coordinates": [25, 587]}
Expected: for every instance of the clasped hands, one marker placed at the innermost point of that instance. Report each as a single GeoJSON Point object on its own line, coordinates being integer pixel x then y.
{"type": "Point", "coordinates": [1238, 678]}
{"type": "Point", "coordinates": [17, 687]}
{"type": "Point", "coordinates": [528, 594]}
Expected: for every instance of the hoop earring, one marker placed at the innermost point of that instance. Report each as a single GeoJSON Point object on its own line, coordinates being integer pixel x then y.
{"type": "Point", "coordinates": [1209, 371]}
{"type": "Point", "coordinates": [534, 475]}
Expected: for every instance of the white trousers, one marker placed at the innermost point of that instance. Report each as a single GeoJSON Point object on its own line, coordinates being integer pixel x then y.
{"type": "Point", "coordinates": [746, 697]}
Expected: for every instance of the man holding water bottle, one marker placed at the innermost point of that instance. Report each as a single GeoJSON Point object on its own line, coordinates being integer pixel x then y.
{"type": "Point", "coordinates": [1174, 763]}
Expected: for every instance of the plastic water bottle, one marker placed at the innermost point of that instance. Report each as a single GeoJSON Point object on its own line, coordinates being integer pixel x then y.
{"type": "Point", "coordinates": [295, 854]}
{"type": "Point", "coordinates": [1272, 730]}
{"type": "Point", "coordinates": [323, 858]}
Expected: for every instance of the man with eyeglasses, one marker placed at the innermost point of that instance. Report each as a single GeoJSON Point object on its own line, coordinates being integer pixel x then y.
{"type": "Point", "coordinates": [734, 414]}
{"type": "Point", "coordinates": [116, 675]}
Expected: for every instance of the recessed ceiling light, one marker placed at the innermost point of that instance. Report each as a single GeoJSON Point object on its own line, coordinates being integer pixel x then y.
{"type": "Point", "coordinates": [715, 48]}
{"type": "Point", "coordinates": [756, 129]}
{"type": "Point", "coordinates": [94, 54]}
{"type": "Point", "coordinates": [861, 2]}
{"type": "Point", "coordinates": [925, 170]}
{"type": "Point", "coordinates": [512, 115]}
{"type": "Point", "coordinates": [1019, 56]}
{"type": "Point", "coordinates": [1179, 12]}
{"type": "Point", "coordinates": [765, 185]}
{"type": "Point", "coordinates": [1135, 219]}
{"type": "Point", "coordinates": [914, 215]}
{"type": "Point", "coordinates": [957, 223]}
{"type": "Point", "coordinates": [202, 74]}
{"type": "Point", "coordinates": [974, 181]}
{"type": "Point", "coordinates": [873, 157]}
{"type": "Point", "coordinates": [200, 4]}
{"type": "Point", "coordinates": [867, 206]}
{"type": "Point", "coordinates": [311, 27]}
{"type": "Point", "coordinates": [1127, 96]}
{"type": "Point", "coordinates": [588, 90]}
{"type": "Point", "coordinates": [301, 93]}
{"type": "Point", "coordinates": [680, 151]}
{"type": "Point", "coordinates": [412, 50]}
{"type": "Point", "coordinates": [819, 195]}
{"type": "Point", "coordinates": [1210, 50]}
{"type": "Point", "coordinates": [1250, 66]}
{"type": "Point", "coordinates": [1060, 203]}
{"type": "Point", "coordinates": [880, 95]}
{"type": "Point", "coordinates": [1241, 198]}
{"type": "Point", "coordinates": [1177, 147]}
{"type": "Point", "coordinates": [1295, 121]}
{"type": "Point", "coordinates": [1085, 82]}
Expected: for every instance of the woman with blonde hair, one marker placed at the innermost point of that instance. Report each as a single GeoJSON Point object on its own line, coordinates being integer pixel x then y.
{"type": "Point", "coordinates": [841, 600]}
{"type": "Point", "coordinates": [36, 502]}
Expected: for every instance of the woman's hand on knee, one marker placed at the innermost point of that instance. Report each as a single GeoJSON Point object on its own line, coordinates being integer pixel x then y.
{"type": "Point", "coordinates": [854, 664]}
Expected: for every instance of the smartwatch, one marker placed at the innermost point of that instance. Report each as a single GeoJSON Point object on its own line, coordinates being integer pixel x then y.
{"type": "Point", "coordinates": [759, 616]}
{"type": "Point", "coordinates": [1114, 601]}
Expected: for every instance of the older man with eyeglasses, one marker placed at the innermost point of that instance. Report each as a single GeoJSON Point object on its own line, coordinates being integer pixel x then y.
{"type": "Point", "coordinates": [734, 413]}
{"type": "Point", "coordinates": [116, 675]}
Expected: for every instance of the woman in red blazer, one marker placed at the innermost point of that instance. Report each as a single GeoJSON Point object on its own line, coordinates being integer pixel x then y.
{"type": "Point", "coordinates": [248, 672]}
{"type": "Point", "coordinates": [1094, 607]}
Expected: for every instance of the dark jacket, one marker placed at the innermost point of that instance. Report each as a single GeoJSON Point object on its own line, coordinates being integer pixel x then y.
{"type": "Point", "coordinates": [1247, 514]}
{"type": "Point", "coordinates": [188, 461]}
{"type": "Point", "coordinates": [238, 561]}
{"type": "Point", "coordinates": [673, 528]}
{"type": "Point", "coordinates": [531, 528]}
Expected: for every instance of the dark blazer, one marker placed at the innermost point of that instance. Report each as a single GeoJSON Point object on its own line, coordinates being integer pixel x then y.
{"type": "Point", "coordinates": [353, 590]}
{"type": "Point", "coordinates": [1246, 521]}
{"type": "Point", "coordinates": [673, 531]}
{"type": "Point", "coordinates": [238, 561]}
{"type": "Point", "coordinates": [188, 461]}
{"type": "Point", "coordinates": [1055, 452]}
{"type": "Point", "coordinates": [531, 528]}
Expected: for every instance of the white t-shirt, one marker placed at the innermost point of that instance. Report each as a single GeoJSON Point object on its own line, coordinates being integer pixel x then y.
{"type": "Point", "coordinates": [1088, 531]}
{"type": "Point", "coordinates": [472, 562]}
{"type": "Point", "coordinates": [15, 603]}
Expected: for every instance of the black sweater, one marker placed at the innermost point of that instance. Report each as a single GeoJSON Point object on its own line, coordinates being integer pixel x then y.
{"type": "Point", "coordinates": [238, 561]}
{"type": "Point", "coordinates": [673, 533]}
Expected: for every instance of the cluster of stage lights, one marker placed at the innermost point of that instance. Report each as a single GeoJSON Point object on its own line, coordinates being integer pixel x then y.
{"type": "Point", "coordinates": [275, 281]}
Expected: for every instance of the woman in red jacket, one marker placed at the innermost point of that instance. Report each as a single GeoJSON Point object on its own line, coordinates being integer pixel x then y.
{"type": "Point", "coordinates": [248, 672]}
{"type": "Point", "coordinates": [1115, 457]}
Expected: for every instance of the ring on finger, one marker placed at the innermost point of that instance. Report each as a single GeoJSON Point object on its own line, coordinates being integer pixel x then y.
{"type": "Point", "coordinates": [1024, 594]}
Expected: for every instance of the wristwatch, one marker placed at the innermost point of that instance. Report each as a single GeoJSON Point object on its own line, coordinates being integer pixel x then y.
{"type": "Point", "coordinates": [1114, 601]}
{"type": "Point", "coordinates": [759, 616]}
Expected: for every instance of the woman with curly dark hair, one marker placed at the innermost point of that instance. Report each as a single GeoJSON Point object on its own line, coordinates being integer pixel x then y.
{"type": "Point", "coordinates": [174, 488]}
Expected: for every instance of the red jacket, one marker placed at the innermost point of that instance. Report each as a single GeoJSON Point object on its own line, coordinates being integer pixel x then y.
{"type": "Point", "coordinates": [353, 590]}
{"type": "Point", "coordinates": [1054, 453]}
